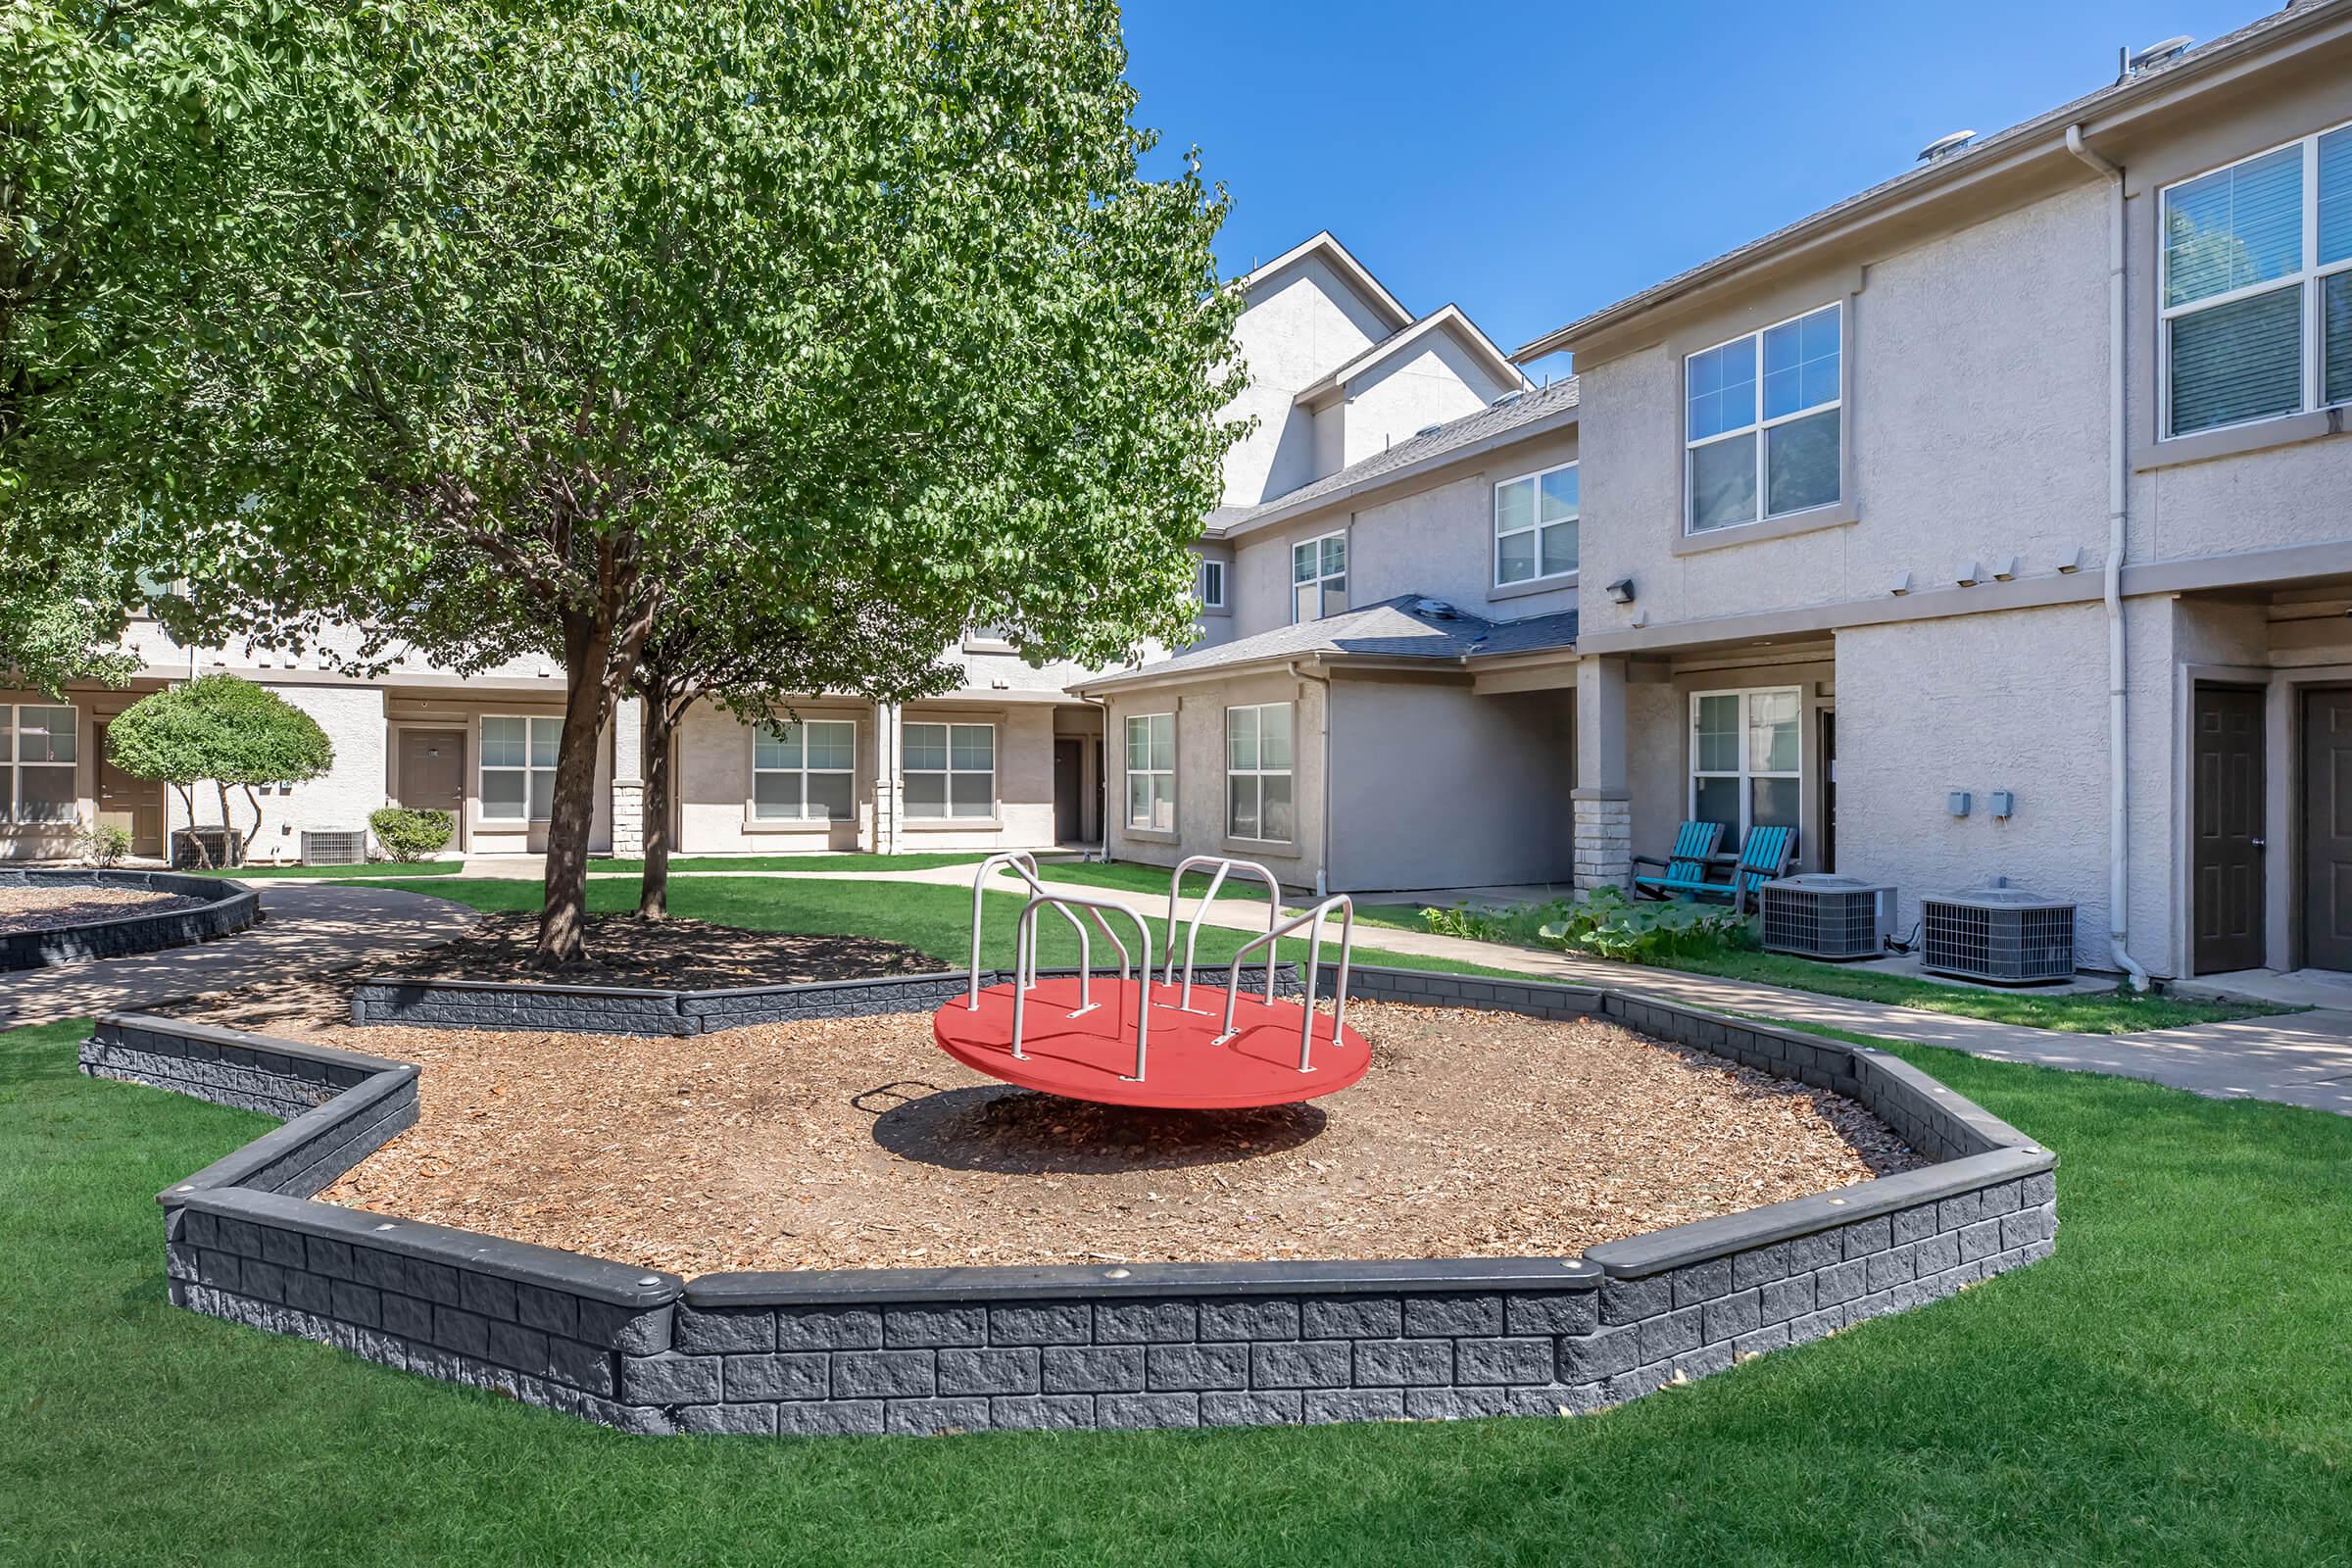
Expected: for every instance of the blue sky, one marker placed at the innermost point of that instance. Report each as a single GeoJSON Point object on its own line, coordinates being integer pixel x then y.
{"type": "Point", "coordinates": [1534, 161]}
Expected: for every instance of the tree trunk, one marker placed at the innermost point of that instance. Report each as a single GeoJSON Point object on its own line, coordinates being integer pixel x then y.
{"type": "Point", "coordinates": [587, 705]}
{"type": "Point", "coordinates": [188, 800]}
{"type": "Point", "coordinates": [228, 830]}
{"type": "Point", "coordinates": [253, 800]}
{"type": "Point", "coordinates": [653, 898]}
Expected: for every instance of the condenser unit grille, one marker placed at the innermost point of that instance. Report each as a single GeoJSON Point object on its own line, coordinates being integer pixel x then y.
{"type": "Point", "coordinates": [334, 848]}
{"type": "Point", "coordinates": [1826, 917]}
{"type": "Point", "coordinates": [2000, 934]}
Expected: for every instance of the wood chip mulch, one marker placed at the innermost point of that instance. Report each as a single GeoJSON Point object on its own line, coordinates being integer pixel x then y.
{"type": "Point", "coordinates": [857, 1144]}
{"type": "Point", "coordinates": [38, 908]}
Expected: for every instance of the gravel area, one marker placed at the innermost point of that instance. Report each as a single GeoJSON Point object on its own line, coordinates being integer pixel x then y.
{"type": "Point", "coordinates": [39, 908]}
{"type": "Point", "coordinates": [856, 1143]}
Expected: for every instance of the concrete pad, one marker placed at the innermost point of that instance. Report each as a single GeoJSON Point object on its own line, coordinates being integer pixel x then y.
{"type": "Point", "coordinates": [302, 927]}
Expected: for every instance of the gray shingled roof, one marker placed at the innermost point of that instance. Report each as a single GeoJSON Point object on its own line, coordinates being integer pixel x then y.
{"type": "Point", "coordinates": [1486, 423]}
{"type": "Point", "coordinates": [2063, 115]}
{"type": "Point", "coordinates": [1394, 628]}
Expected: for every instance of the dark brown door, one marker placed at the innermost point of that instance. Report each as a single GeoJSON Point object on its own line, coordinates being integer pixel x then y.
{"type": "Point", "coordinates": [136, 804]}
{"type": "Point", "coordinates": [2226, 865]}
{"type": "Point", "coordinates": [1069, 805]}
{"type": "Point", "coordinates": [1829, 789]}
{"type": "Point", "coordinates": [2328, 828]}
{"type": "Point", "coordinates": [432, 772]}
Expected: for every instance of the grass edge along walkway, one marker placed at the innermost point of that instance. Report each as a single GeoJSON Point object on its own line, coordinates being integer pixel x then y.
{"type": "Point", "coordinates": [2169, 1386]}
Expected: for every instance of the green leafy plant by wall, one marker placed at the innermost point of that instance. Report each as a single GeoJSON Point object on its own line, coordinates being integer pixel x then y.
{"type": "Point", "coordinates": [411, 835]}
{"type": "Point", "coordinates": [105, 844]}
{"type": "Point", "coordinates": [1610, 925]}
{"type": "Point", "coordinates": [223, 731]}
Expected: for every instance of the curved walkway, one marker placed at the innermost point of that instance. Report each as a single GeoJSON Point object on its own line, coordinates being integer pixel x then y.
{"type": "Point", "coordinates": [304, 925]}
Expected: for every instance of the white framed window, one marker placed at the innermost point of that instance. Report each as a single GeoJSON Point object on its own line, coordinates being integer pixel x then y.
{"type": "Point", "coordinates": [1747, 759]}
{"type": "Point", "coordinates": [2257, 293]}
{"type": "Point", "coordinates": [1535, 526]}
{"type": "Point", "coordinates": [1210, 586]}
{"type": "Point", "coordinates": [39, 746]}
{"type": "Point", "coordinates": [1151, 771]}
{"type": "Point", "coordinates": [1759, 446]}
{"type": "Point", "coordinates": [519, 768]}
{"type": "Point", "coordinates": [1319, 577]}
{"type": "Point", "coordinates": [949, 770]}
{"type": "Point", "coordinates": [1257, 774]}
{"type": "Point", "coordinates": [804, 772]}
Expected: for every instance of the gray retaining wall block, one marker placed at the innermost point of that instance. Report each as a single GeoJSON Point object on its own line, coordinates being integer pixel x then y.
{"type": "Point", "coordinates": [958, 1349]}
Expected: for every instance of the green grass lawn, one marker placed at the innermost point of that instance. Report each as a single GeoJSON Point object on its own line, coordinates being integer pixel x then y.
{"type": "Point", "coordinates": [1130, 877]}
{"type": "Point", "coordinates": [936, 920]}
{"type": "Point", "coordinates": [2170, 1389]}
{"type": "Point", "coordinates": [2120, 1011]}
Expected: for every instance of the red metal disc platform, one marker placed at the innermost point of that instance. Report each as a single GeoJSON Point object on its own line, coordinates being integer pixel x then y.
{"type": "Point", "coordinates": [1088, 1057]}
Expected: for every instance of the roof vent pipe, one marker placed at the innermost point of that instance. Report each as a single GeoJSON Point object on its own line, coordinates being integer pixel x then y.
{"type": "Point", "coordinates": [1943, 147]}
{"type": "Point", "coordinates": [2118, 458]}
{"type": "Point", "coordinates": [2156, 54]}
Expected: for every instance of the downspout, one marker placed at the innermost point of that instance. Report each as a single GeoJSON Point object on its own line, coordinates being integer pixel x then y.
{"type": "Point", "coordinates": [1323, 856]}
{"type": "Point", "coordinates": [1102, 767]}
{"type": "Point", "coordinates": [2119, 480]}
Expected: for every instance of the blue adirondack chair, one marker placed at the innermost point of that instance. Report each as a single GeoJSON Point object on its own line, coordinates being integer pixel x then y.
{"type": "Point", "coordinates": [1685, 869]}
{"type": "Point", "coordinates": [1764, 858]}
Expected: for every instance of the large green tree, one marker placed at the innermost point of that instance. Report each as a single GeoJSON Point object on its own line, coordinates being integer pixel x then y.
{"type": "Point", "coordinates": [601, 306]}
{"type": "Point", "coordinates": [125, 127]}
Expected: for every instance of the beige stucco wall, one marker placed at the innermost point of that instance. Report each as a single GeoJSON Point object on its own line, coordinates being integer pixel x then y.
{"type": "Point", "coordinates": [1435, 787]}
{"type": "Point", "coordinates": [1200, 711]}
{"type": "Point", "coordinates": [1436, 540]}
{"type": "Point", "coordinates": [1302, 323]}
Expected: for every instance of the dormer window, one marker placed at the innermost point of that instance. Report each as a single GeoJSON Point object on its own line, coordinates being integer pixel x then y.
{"type": "Point", "coordinates": [1764, 446]}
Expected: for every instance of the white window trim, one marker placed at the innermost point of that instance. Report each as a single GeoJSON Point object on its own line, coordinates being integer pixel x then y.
{"type": "Point", "coordinates": [1134, 772]}
{"type": "Point", "coordinates": [1746, 774]}
{"type": "Point", "coordinates": [1261, 771]}
{"type": "Point", "coordinates": [1200, 575]}
{"type": "Point", "coordinates": [1760, 424]}
{"type": "Point", "coordinates": [1536, 526]}
{"type": "Point", "coordinates": [526, 768]}
{"type": "Point", "coordinates": [1341, 576]}
{"type": "Point", "coordinates": [750, 805]}
{"type": "Point", "coordinates": [2310, 277]}
{"type": "Point", "coordinates": [949, 773]}
{"type": "Point", "coordinates": [12, 726]}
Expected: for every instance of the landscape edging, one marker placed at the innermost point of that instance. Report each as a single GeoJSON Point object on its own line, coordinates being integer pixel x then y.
{"type": "Point", "coordinates": [229, 908]}
{"type": "Point", "coordinates": [1141, 1346]}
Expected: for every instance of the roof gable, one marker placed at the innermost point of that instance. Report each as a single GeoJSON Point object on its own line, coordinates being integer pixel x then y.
{"type": "Point", "coordinates": [1355, 273]}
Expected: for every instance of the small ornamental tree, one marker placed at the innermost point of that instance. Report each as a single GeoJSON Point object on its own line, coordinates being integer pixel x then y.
{"type": "Point", "coordinates": [594, 313]}
{"type": "Point", "coordinates": [223, 731]}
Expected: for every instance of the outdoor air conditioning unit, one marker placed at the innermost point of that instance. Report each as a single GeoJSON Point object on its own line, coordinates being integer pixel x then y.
{"type": "Point", "coordinates": [222, 847]}
{"type": "Point", "coordinates": [1822, 916]}
{"type": "Point", "coordinates": [1998, 933]}
{"type": "Point", "coordinates": [337, 847]}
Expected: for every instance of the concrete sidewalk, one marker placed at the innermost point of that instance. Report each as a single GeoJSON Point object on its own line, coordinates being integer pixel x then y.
{"type": "Point", "coordinates": [302, 927]}
{"type": "Point", "coordinates": [2296, 1060]}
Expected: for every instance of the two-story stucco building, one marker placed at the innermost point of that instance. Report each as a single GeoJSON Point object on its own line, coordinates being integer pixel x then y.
{"type": "Point", "coordinates": [1399, 539]}
{"type": "Point", "coordinates": [1997, 520]}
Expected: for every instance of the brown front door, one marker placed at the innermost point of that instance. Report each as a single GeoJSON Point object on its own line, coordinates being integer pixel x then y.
{"type": "Point", "coordinates": [1069, 806]}
{"type": "Point", "coordinates": [432, 772]}
{"type": "Point", "coordinates": [2226, 900]}
{"type": "Point", "coordinates": [2328, 828]}
{"type": "Point", "coordinates": [136, 804]}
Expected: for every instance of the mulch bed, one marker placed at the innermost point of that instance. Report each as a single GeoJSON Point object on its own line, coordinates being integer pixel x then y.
{"type": "Point", "coordinates": [658, 954]}
{"type": "Point", "coordinates": [856, 1143]}
{"type": "Point", "coordinates": [44, 909]}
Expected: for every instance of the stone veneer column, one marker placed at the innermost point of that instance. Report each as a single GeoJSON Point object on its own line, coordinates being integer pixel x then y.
{"type": "Point", "coordinates": [628, 777]}
{"type": "Point", "coordinates": [1603, 807]}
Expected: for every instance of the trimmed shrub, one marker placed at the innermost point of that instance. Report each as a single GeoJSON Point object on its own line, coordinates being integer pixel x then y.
{"type": "Point", "coordinates": [106, 844]}
{"type": "Point", "coordinates": [408, 835]}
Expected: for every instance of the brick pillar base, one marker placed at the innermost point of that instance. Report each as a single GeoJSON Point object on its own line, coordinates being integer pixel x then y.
{"type": "Point", "coordinates": [1604, 844]}
{"type": "Point", "coordinates": [628, 818]}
